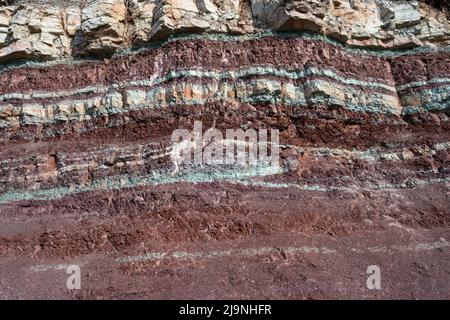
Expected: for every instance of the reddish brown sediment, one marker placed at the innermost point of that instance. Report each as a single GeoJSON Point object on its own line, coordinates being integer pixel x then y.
{"type": "Point", "coordinates": [418, 89]}
{"type": "Point", "coordinates": [391, 134]}
{"type": "Point", "coordinates": [204, 54]}
{"type": "Point", "coordinates": [398, 165]}
{"type": "Point", "coordinates": [277, 273]}
{"type": "Point", "coordinates": [314, 125]}
{"type": "Point", "coordinates": [294, 53]}
{"type": "Point", "coordinates": [121, 219]}
{"type": "Point", "coordinates": [420, 67]}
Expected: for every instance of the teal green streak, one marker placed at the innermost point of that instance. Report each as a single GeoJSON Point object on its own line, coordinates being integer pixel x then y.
{"type": "Point", "coordinates": [155, 178]}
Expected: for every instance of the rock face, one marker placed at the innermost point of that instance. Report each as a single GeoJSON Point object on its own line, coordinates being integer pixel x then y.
{"type": "Point", "coordinates": [92, 91]}
{"type": "Point", "coordinates": [36, 32]}
{"type": "Point", "coordinates": [100, 27]}
{"type": "Point", "coordinates": [357, 22]}
{"type": "Point", "coordinates": [103, 28]}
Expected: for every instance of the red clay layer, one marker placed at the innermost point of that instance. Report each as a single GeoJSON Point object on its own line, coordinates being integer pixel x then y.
{"type": "Point", "coordinates": [420, 67]}
{"type": "Point", "coordinates": [279, 274]}
{"type": "Point", "coordinates": [311, 169]}
{"type": "Point", "coordinates": [102, 221]}
{"type": "Point", "coordinates": [216, 55]}
{"type": "Point", "coordinates": [204, 54]}
{"type": "Point", "coordinates": [314, 125]}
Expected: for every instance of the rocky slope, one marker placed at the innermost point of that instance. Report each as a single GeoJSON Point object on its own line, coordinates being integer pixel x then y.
{"type": "Point", "coordinates": [91, 91]}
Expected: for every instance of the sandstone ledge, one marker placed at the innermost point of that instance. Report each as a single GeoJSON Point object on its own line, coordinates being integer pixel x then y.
{"type": "Point", "coordinates": [101, 27]}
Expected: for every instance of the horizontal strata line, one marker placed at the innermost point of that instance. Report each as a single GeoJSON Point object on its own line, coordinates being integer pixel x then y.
{"type": "Point", "coordinates": [249, 252]}
{"type": "Point", "coordinates": [273, 91]}
{"type": "Point", "coordinates": [157, 149]}
{"type": "Point", "coordinates": [49, 112]}
{"type": "Point", "coordinates": [252, 252]}
{"type": "Point", "coordinates": [372, 102]}
{"type": "Point", "coordinates": [366, 51]}
{"type": "Point", "coordinates": [160, 177]}
{"type": "Point", "coordinates": [343, 188]}
{"type": "Point", "coordinates": [54, 267]}
{"type": "Point", "coordinates": [130, 119]}
{"type": "Point", "coordinates": [418, 84]}
{"type": "Point", "coordinates": [304, 53]}
{"type": "Point", "coordinates": [109, 161]}
{"type": "Point", "coordinates": [218, 254]}
{"type": "Point", "coordinates": [363, 51]}
{"type": "Point", "coordinates": [370, 155]}
{"type": "Point", "coordinates": [144, 149]}
{"type": "Point", "coordinates": [380, 103]}
{"type": "Point", "coordinates": [292, 74]}
{"type": "Point", "coordinates": [112, 103]}
{"type": "Point", "coordinates": [165, 177]}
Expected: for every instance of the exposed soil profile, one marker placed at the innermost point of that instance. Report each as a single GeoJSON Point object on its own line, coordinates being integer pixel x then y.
{"type": "Point", "coordinates": [355, 95]}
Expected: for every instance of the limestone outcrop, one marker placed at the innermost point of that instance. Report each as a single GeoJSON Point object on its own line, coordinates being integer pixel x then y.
{"type": "Point", "coordinates": [34, 30]}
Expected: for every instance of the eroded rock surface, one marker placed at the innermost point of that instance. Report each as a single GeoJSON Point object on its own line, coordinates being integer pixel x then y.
{"type": "Point", "coordinates": [100, 27]}
{"type": "Point", "coordinates": [33, 32]}
{"type": "Point", "coordinates": [88, 175]}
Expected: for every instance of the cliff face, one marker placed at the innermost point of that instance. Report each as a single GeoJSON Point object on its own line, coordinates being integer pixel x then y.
{"type": "Point", "coordinates": [38, 30]}
{"type": "Point", "coordinates": [91, 91]}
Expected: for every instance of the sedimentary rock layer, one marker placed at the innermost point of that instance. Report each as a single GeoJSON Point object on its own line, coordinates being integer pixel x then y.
{"type": "Point", "coordinates": [35, 30]}
{"type": "Point", "coordinates": [91, 92]}
{"type": "Point", "coordinates": [184, 72]}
